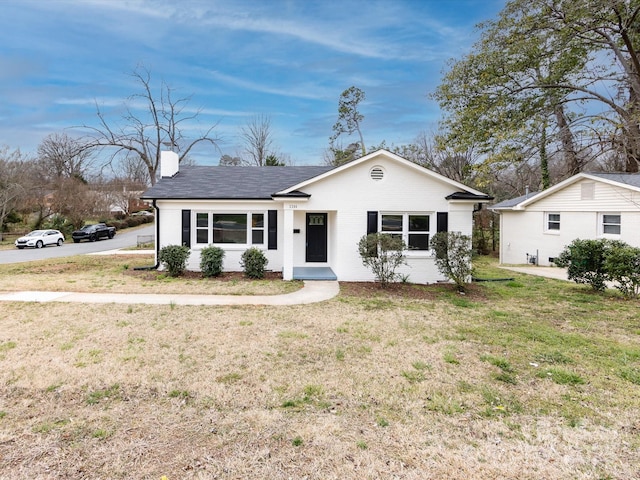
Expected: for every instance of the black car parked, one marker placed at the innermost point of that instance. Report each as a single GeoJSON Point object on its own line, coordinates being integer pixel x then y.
{"type": "Point", "coordinates": [93, 232]}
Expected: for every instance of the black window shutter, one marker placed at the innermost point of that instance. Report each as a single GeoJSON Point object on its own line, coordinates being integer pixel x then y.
{"type": "Point", "coordinates": [443, 222]}
{"type": "Point", "coordinates": [372, 222]}
{"type": "Point", "coordinates": [186, 228]}
{"type": "Point", "coordinates": [272, 220]}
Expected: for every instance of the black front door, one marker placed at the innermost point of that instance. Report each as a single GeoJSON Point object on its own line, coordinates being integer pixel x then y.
{"type": "Point", "coordinates": [316, 237]}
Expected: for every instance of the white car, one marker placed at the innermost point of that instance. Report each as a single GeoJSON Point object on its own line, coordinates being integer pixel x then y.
{"type": "Point", "coordinates": [40, 238]}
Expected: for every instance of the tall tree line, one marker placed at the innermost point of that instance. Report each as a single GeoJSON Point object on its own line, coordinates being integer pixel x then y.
{"type": "Point", "coordinates": [552, 80]}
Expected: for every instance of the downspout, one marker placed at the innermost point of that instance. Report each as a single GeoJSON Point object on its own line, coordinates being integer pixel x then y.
{"type": "Point", "coordinates": [154, 267]}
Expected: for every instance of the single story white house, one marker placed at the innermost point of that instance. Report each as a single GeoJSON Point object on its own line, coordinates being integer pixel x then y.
{"type": "Point", "coordinates": [535, 228]}
{"type": "Point", "coordinates": [308, 220]}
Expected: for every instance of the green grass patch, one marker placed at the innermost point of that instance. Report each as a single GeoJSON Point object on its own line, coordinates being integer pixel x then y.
{"type": "Point", "coordinates": [561, 376]}
{"type": "Point", "coordinates": [292, 334]}
{"type": "Point", "coordinates": [502, 363]}
{"type": "Point", "coordinates": [184, 394]}
{"type": "Point", "coordinates": [382, 422]}
{"type": "Point", "coordinates": [450, 357]}
{"type": "Point", "coordinates": [498, 403]}
{"type": "Point", "coordinates": [229, 378]}
{"type": "Point", "coordinates": [555, 357]}
{"type": "Point", "coordinates": [311, 395]}
{"type": "Point", "coordinates": [102, 394]}
{"type": "Point", "coordinates": [441, 403]}
{"type": "Point", "coordinates": [101, 434]}
{"type": "Point", "coordinates": [6, 346]}
{"type": "Point", "coordinates": [630, 374]}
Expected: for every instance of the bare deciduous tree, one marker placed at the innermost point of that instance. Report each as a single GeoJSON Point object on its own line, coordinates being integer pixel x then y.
{"type": "Point", "coordinates": [12, 182]}
{"type": "Point", "coordinates": [74, 200]}
{"type": "Point", "coordinates": [145, 136]}
{"type": "Point", "coordinates": [228, 160]}
{"type": "Point", "coordinates": [133, 169]}
{"type": "Point", "coordinates": [257, 138]}
{"type": "Point", "coordinates": [64, 156]}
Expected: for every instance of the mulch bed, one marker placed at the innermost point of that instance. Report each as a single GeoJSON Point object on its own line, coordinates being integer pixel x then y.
{"type": "Point", "coordinates": [189, 275]}
{"type": "Point", "coordinates": [351, 289]}
{"type": "Point", "coordinates": [408, 290]}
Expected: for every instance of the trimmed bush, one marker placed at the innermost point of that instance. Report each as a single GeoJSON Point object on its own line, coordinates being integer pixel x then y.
{"type": "Point", "coordinates": [382, 254]}
{"type": "Point", "coordinates": [211, 261]}
{"type": "Point", "coordinates": [253, 262]}
{"type": "Point", "coordinates": [622, 265]}
{"type": "Point", "coordinates": [174, 258]}
{"type": "Point", "coordinates": [453, 257]}
{"type": "Point", "coordinates": [584, 260]}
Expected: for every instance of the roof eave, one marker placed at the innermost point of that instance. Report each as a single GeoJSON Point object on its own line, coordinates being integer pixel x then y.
{"type": "Point", "coordinates": [468, 197]}
{"type": "Point", "coordinates": [393, 156]}
{"type": "Point", "coordinates": [217, 199]}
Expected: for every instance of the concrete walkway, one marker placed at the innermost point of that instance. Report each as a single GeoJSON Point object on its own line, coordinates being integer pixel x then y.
{"type": "Point", "coordinates": [549, 272]}
{"type": "Point", "coordinates": [312, 292]}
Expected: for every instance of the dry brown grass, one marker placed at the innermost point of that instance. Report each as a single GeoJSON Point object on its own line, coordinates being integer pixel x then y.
{"type": "Point", "coordinates": [360, 387]}
{"type": "Point", "coordinates": [117, 274]}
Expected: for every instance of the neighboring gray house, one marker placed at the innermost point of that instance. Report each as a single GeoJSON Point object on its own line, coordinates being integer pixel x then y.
{"type": "Point", "coordinates": [308, 219]}
{"type": "Point", "coordinates": [537, 227]}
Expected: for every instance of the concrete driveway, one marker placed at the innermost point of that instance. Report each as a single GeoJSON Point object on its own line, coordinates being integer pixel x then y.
{"type": "Point", "coordinates": [549, 272]}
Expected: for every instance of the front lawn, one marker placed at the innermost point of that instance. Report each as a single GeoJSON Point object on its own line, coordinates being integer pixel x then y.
{"type": "Point", "coordinates": [523, 379]}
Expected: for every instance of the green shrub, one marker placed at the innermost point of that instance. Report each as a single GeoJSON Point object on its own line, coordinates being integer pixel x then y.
{"type": "Point", "coordinates": [135, 221]}
{"type": "Point", "coordinates": [453, 252]}
{"type": "Point", "coordinates": [382, 254]}
{"type": "Point", "coordinates": [119, 224]}
{"type": "Point", "coordinates": [253, 262]}
{"type": "Point", "coordinates": [584, 260]}
{"type": "Point", "coordinates": [622, 266]}
{"type": "Point", "coordinates": [59, 222]}
{"type": "Point", "coordinates": [174, 258]}
{"type": "Point", "coordinates": [211, 261]}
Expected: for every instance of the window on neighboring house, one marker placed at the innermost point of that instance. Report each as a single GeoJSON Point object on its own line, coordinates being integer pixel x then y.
{"type": "Point", "coordinates": [611, 224]}
{"type": "Point", "coordinates": [230, 228]}
{"type": "Point", "coordinates": [413, 228]}
{"type": "Point", "coordinates": [553, 222]}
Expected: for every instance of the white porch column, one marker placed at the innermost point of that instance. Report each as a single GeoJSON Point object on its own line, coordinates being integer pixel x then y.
{"type": "Point", "coordinates": [287, 239]}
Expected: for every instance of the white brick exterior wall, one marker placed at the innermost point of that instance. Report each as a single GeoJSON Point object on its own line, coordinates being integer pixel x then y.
{"type": "Point", "coordinates": [346, 196]}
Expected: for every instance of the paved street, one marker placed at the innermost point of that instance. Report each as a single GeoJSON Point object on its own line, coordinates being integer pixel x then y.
{"type": "Point", "coordinates": [126, 238]}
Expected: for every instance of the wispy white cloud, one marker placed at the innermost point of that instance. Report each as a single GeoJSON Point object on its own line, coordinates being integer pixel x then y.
{"type": "Point", "coordinates": [353, 28]}
{"type": "Point", "coordinates": [308, 91]}
{"type": "Point", "coordinates": [140, 105]}
{"type": "Point", "coordinates": [289, 59]}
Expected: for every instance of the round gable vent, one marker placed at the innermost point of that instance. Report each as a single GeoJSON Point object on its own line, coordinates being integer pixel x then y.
{"type": "Point", "coordinates": [376, 174]}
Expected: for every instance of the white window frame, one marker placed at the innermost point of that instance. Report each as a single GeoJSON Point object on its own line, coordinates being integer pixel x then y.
{"type": "Point", "coordinates": [249, 230]}
{"type": "Point", "coordinates": [405, 232]}
{"type": "Point", "coordinates": [602, 225]}
{"type": "Point", "coordinates": [548, 221]}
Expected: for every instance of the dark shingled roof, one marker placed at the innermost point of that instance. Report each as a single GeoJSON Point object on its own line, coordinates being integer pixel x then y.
{"type": "Point", "coordinates": [228, 182]}
{"type": "Point", "coordinates": [632, 179]}
{"type": "Point", "coordinates": [512, 202]}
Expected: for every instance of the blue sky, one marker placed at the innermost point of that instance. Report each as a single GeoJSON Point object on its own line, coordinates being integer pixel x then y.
{"type": "Point", "coordinates": [288, 59]}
